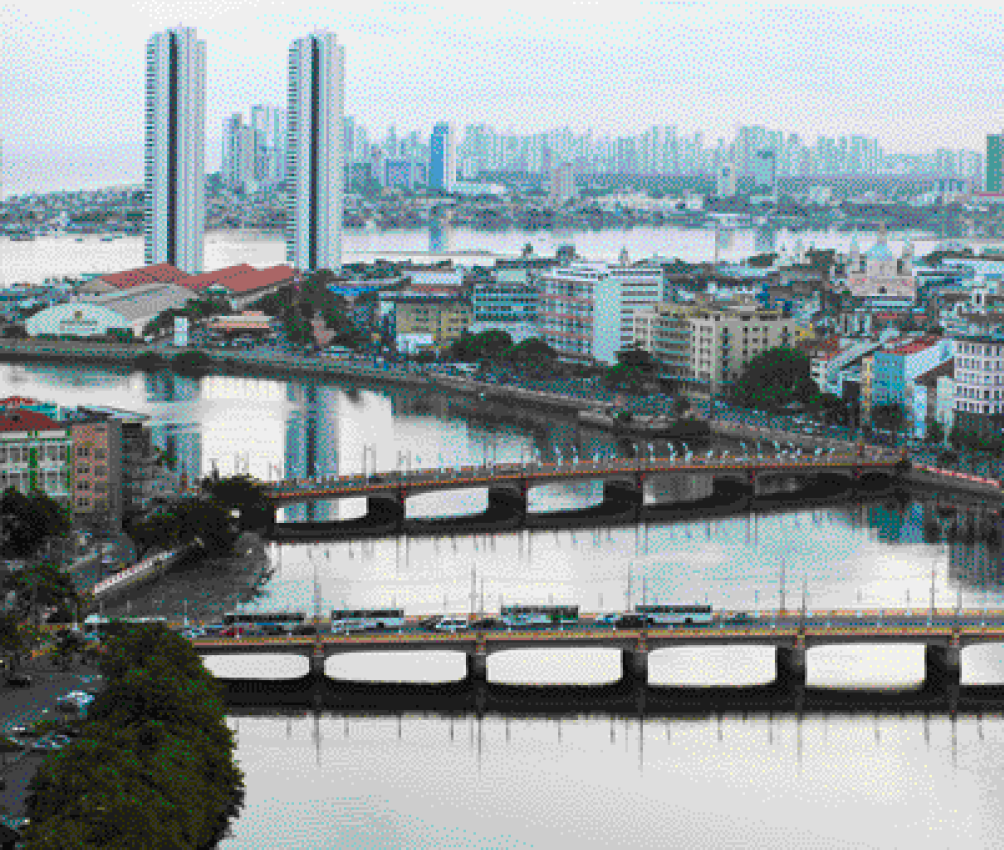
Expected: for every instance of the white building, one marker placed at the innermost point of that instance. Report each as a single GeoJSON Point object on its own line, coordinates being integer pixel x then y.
{"type": "Point", "coordinates": [314, 168]}
{"type": "Point", "coordinates": [269, 125]}
{"type": "Point", "coordinates": [237, 166]}
{"type": "Point", "coordinates": [726, 187]}
{"type": "Point", "coordinates": [561, 188]}
{"type": "Point", "coordinates": [587, 309]}
{"type": "Point", "coordinates": [175, 155]}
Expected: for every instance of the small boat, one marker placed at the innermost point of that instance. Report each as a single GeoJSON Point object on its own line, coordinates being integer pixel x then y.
{"type": "Point", "coordinates": [107, 237]}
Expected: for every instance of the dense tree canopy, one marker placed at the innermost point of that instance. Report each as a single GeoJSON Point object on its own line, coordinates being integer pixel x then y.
{"type": "Point", "coordinates": [26, 522]}
{"type": "Point", "coordinates": [775, 379]}
{"type": "Point", "coordinates": [633, 372]}
{"type": "Point", "coordinates": [889, 417]}
{"type": "Point", "coordinates": [154, 765]}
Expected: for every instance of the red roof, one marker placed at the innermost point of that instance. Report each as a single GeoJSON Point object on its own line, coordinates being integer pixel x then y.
{"type": "Point", "coordinates": [27, 420]}
{"type": "Point", "coordinates": [160, 273]}
{"type": "Point", "coordinates": [200, 282]}
{"type": "Point", "coordinates": [915, 346]}
{"type": "Point", "coordinates": [16, 401]}
{"type": "Point", "coordinates": [241, 279]}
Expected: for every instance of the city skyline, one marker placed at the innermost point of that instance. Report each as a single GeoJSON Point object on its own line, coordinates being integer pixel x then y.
{"type": "Point", "coordinates": [703, 67]}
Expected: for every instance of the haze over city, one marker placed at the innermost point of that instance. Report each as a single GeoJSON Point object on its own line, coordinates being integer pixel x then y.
{"type": "Point", "coordinates": [73, 84]}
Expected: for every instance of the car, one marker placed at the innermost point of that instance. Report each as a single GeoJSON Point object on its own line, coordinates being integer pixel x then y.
{"type": "Point", "coordinates": [451, 624]}
{"type": "Point", "coordinates": [631, 621]}
{"type": "Point", "coordinates": [45, 745]}
{"type": "Point", "coordinates": [19, 680]}
{"type": "Point", "coordinates": [192, 634]}
{"type": "Point", "coordinates": [487, 623]}
{"type": "Point", "coordinates": [606, 619]}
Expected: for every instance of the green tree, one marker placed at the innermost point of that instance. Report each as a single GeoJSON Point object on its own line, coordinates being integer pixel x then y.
{"type": "Point", "coordinates": [28, 521]}
{"type": "Point", "coordinates": [158, 530]}
{"type": "Point", "coordinates": [774, 379]}
{"type": "Point", "coordinates": [889, 417]}
{"type": "Point", "coordinates": [39, 586]}
{"type": "Point", "coordinates": [206, 523]}
{"type": "Point", "coordinates": [245, 495]}
{"type": "Point", "coordinates": [935, 432]}
{"type": "Point", "coordinates": [532, 356]}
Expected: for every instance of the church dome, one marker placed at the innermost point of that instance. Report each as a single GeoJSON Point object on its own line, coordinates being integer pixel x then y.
{"type": "Point", "coordinates": [880, 251]}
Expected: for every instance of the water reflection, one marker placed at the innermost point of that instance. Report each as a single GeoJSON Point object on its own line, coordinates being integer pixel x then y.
{"type": "Point", "coordinates": [506, 780]}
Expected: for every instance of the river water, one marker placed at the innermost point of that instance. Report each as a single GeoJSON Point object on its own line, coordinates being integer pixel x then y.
{"type": "Point", "coordinates": [434, 779]}
{"type": "Point", "coordinates": [56, 256]}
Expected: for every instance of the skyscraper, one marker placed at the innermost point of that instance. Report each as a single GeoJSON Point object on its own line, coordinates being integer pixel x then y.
{"type": "Point", "coordinates": [237, 166]}
{"type": "Point", "coordinates": [765, 170]}
{"type": "Point", "coordinates": [175, 156]}
{"type": "Point", "coordinates": [443, 157]}
{"type": "Point", "coordinates": [315, 159]}
{"type": "Point", "coordinates": [269, 125]}
{"type": "Point", "coordinates": [995, 163]}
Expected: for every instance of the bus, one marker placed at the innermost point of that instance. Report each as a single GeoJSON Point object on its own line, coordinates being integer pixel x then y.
{"type": "Point", "coordinates": [268, 621]}
{"type": "Point", "coordinates": [366, 619]}
{"type": "Point", "coordinates": [676, 615]}
{"type": "Point", "coordinates": [519, 616]}
{"type": "Point", "coordinates": [95, 624]}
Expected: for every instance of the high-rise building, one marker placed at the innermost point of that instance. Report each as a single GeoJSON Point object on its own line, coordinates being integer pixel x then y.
{"type": "Point", "coordinates": [237, 165]}
{"type": "Point", "coordinates": [315, 164]}
{"type": "Point", "coordinates": [726, 187]}
{"type": "Point", "coordinates": [765, 170]}
{"type": "Point", "coordinates": [175, 156]}
{"type": "Point", "coordinates": [269, 125]}
{"type": "Point", "coordinates": [443, 157]}
{"type": "Point", "coordinates": [995, 163]}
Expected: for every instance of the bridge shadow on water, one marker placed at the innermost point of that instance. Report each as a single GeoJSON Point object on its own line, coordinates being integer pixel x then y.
{"type": "Point", "coordinates": [727, 499]}
{"type": "Point", "coordinates": [621, 697]}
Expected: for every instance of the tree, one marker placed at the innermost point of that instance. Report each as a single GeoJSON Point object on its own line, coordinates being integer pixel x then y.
{"type": "Point", "coordinates": [40, 586]}
{"type": "Point", "coordinates": [245, 495]}
{"type": "Point", "coordinates": [159, 530]}
{"type": "Point", "coordinates": [935, 432]}
{"type": "Point", "coordinates": [634, 369]}
{"type": "Point", "coordinates": [774, 379]}
{"type": "Point", "coordinates": [27, 521]}
{"type": "Point", "coordinates": [533, 356]}
{"type": "Point", "coordinates": [206, 523]}
{"type": "Point", "coordinates": [889, 417]}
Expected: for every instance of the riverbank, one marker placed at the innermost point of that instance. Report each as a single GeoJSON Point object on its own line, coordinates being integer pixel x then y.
{"type": "Point", "coordinates": [199, 588]}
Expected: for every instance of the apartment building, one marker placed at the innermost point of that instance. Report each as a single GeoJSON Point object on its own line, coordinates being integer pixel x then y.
{"type": "Point", "coordinates": [587, 310]}
{"type": "Point", "coordinates": [443, 320]}
{"type": "Point", "coordinates": [979, 384]}
{"type": "Point", "coordinates": [709, 346]}
{"type": "Point", "coordinates": [97, 471]}
{"type": "Point", "coordinates": [36, 453]}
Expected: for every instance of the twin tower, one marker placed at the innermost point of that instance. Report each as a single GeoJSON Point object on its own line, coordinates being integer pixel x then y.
{"type": "Point", "coordinates": [175, 151]}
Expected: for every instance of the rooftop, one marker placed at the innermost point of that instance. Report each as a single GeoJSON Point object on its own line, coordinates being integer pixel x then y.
{"type": "Point", "coordinates": [27, 420]}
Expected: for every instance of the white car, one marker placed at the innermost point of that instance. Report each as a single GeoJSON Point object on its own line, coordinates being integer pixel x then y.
{"type": "Point", "coordinates": [451, 624]}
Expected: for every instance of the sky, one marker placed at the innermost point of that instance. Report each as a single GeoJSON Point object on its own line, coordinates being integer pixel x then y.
{"type": "Point", "coordinates": [916, 76]}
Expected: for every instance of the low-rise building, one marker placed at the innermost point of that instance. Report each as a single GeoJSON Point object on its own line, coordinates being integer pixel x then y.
{"type": "Point", "coordinates": [979, 384]}
{"type": "Point", "coordinates": [36, 453]}
{"type": "Point", "coordinates": [443, 319]}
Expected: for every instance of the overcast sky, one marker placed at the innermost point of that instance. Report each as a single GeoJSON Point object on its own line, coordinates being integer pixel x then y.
{"type": "Point", "coordinates": [917, 76]}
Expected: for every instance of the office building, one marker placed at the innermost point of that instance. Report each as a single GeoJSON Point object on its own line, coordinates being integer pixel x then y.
{"type": "Point", "coordinates": [995, 163]}
{"type": "Point", "coordinates": [443, 157]}
{"type": "Point", "coordinates": [315, 161]}
{"type": "Point", "coordinates": [174, 166]}
{"type": "Point", "coordinates": [587, 310]}
{"type": "Point", "coordinates": [562, 184]}
{"type": "Point", "coordinates": [979, 384]}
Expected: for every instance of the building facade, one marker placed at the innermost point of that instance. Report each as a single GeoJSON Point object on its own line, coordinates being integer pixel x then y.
{"type": "Point", "coordinates": [240, 152]}
{"type": "Point", "coordinates": [878, 273]}
{"type": "Point", "coordinates": [444, 320]}
{"type": "Point", "coordinates": [315, 159]}
{"type": "Point", "coordinates": [587, 309]}
{"type": "Point", "coordinates": [443, 157]}
{"type": "Point", "coordinates": [36, 453]}
{"type": "Point", "coordinates": [269, 125]}
{"type": "Point", "coordinates": [995, 163]}
{"type": "Point", "coordinates": [174, 161]}
{"type": "Point", "coordinates": [979, 384]}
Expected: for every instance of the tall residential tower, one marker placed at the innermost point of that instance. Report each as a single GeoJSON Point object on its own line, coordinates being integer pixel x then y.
{"type": "Point", "coordinates": [443, 157]}
{"type": "Point", "coordinates": [315, 156]}
{"type": "Point", "coordinates": [174, 168]}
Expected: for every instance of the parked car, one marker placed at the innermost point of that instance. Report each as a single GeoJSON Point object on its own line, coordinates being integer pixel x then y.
{"type": "Point", "coordinates": [487, 623]}
{"type": "Point", "coordinates": [451, 624]}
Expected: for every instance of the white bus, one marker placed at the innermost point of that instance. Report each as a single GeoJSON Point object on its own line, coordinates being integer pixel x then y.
{"type": "Point", "coordinates": [366, 619]}
{"type": "Point", "coordinates": [676, 615]}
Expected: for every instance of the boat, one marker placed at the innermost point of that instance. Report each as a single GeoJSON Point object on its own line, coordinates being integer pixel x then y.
{"type": "Point", "coordinates": [107, 237]}
{"type": "Point", "coordinates": [22, 236]}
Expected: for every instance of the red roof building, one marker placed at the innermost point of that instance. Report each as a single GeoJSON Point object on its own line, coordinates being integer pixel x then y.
{"type": "Point", "coordinates": [223, 277]}
{"type": "Point", "coordinates": [160, 273]}
{"type": "Point", "coordinates": [27, 420]}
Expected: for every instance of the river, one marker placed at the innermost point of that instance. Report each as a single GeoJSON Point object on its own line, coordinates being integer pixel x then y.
{"type": "Point", "coordinates": [438, 779]}
{"type": "Point", "coordinates": [57, 256]}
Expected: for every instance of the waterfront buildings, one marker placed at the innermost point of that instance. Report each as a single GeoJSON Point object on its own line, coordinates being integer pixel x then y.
{"type": "Point", "coordinates": [439, 320]}
{"type": "Point", "coordinates": [507, 302]}
{"type": "Point", "coordinates": [587, 309]}
{"type": "Point", "coordinates": [979, 380]}
{"type": "Point", "coordinates": [895, 370]}
{"type": "Point", "coordinates": [174, 162]}
{"type": "Point", "coordinates": [443, 157]}
{"type": "Point", "coordinates": [125, 312]}
{"type": "Point", "coordinates": [314, 168]}
{"type": "Point", "coordinates": [708, 346]}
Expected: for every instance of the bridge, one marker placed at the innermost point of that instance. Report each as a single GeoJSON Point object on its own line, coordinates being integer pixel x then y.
{"type": "Point", "coordinates": [943, 634]}
{"type": "Point", "coordinates": [508, 484]}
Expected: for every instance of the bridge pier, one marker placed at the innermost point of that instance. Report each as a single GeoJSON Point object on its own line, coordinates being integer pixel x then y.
{"type": "Point", "coordinates": [624, 495]}
{"type": "Point", "coordinates": [506, 502]}
{"type": "Point", "coordinates": [477, 667]}
{"type": "Point", "coordinates": [634, 666]}
{"type": "Point", "coordinates": [316, 660]}
{"type": "Point", "coordinates": [942, 666]}
{"type": "Point", "coordinates": [790, 663]}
